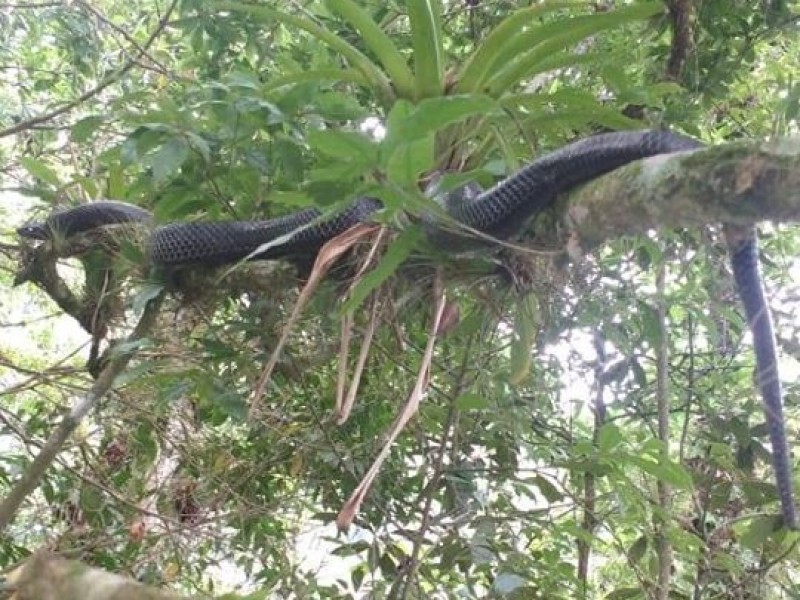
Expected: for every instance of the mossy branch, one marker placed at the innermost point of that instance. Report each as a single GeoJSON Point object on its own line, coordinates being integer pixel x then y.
{"type": "Point", "coordinates": [739, 183]}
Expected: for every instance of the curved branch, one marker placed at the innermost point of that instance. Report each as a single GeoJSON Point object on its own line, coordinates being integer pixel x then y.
{"type": "Point", "coordinates": [739, 183]}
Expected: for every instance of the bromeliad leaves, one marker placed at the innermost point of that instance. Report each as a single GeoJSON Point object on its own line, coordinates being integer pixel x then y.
{"type": "Point", "coordinates": [528, 41]}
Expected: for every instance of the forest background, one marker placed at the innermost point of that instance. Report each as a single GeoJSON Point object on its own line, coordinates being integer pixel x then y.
{"type": "Point", "coordinates": [537, 466]}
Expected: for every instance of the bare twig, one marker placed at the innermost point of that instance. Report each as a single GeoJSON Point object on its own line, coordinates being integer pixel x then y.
{"type": "Point", "coordinates": [439, 469]}
{"type": "Point", "coordinates": [121, 31]}
{"type": "Point", "coordinates": [590, 520]}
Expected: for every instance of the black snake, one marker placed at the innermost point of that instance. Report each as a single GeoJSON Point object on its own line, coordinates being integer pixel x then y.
{"type": "Point", "coordinates": [498, 212]}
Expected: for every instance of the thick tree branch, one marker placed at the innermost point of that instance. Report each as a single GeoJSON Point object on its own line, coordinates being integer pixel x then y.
{"type": "Point", "coordinates": [45, 576]}
{"type": "Point", "coordinates": [739, 183]}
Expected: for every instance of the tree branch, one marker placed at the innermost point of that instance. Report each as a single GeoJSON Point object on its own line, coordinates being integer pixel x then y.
{"type": "Point", "coordinates": [739, 183]}
{"type": "Point", "coordinates": [660, 519]}
{"type": "Point", "coordinates": [45, 576]}
{"type": "Point", "coordinates": [35, 472]}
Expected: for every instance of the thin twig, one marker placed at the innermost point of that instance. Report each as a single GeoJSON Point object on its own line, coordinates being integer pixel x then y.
{"type": "Point", "coordinates": [121, 31]}
{"type": "Point", "coordinates": [23, 125]}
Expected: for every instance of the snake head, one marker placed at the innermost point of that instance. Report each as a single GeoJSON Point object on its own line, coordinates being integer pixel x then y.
{"type": "Point", "coordinates": [38, 230]}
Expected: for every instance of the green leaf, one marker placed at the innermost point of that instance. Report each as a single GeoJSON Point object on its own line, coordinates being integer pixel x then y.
{"type": "Point", "coordinates": [550, 492]}
{"type": "Point", "coordinates": [83, 129]}
{"type": "Point", "coordinates": [289, 156]}
{"type": "Point", "coordinates": [115, 181]}
{"type": "Point", "coordinates": [315, 76]}
{"type": "Point", "coordinates": [231, 403]}
{"type": "Point", "coordinates": [392, 141]}
{"type": "Point", "coordinates": [176, 208]}
{"type": "Point", "coordinates": [759, 493]}
{"type": "Point", "coordinates": [637, 550]}
{"type": "Point", "coordinates": [39, 170]}
{"type": "Point", "coordinates": [471, 401]}
{"type": "Point", "coordinates": [651, 324]}
{"type": "Point", "coordinates": [726, 562]}
{"type": "Point", "coordinates": [346, 145]}
{"type": "Point", "coordinates": [758, 530]}
{"type": "Point", "coordinates": [488, 54]}
{"type": "Point", "coordinates": [378, 42]}
{"type": "Point", "coordinates": [720, 495]}
{"type": "Point", "coordinates": [628, 593]}
{"type": "Point", "coordinates": [357, 576]}
{"type": "Point", "coordinates": [665, 470]}
{"type": "Point", "coordinates": [433, 114]}
{"type": "Point", "coordinates": [410, 160]}
{"type": "Point", "coordinates": [328, 189]}
{"type": "Point", "coordinates": [372, 73]}
{"type": "Point", "coordinates": [351, 549]}
{"type": "Point", "coordinates": [199, 144]}
{"type": "Point", "coordinates": [146, 293]}
{"type": "Point", "coordinates": [567, 105]}
{"type": "Point", "coordinates": [167, 160]}
{"type": "Point", "coordinates": [426, 32]}
{"type": "Point", "coordinates": [521, 58]}
{"type": "Point", "coordinates": [335, 106]}
{"type": "Point", "coordinates": [609, 437]}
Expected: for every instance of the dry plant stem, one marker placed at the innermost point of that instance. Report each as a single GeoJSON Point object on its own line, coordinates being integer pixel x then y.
{"type": "Point", "coordinates": [662, 543]}
{"type": "Point", "coordinates": [341, 376]}
{"type": "Point", "coordinates": [142, 51]}
{"type": "Point", "coordinates": [344, 405]}
{"type": "Point", "coordinates": [327, 256]}
{"type": "Point", "coordinates": [351, 507]}
{"type": "Point", "coordinates": [366, 344]}
{"type": "Point", "coordinates": [33, 475]}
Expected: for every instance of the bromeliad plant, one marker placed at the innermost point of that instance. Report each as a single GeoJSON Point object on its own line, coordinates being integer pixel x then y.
{"type": "Point", "coordinates": [442, 111]}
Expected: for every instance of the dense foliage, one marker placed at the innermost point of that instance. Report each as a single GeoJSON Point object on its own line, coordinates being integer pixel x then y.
{"type": "Point", "coordinates": [532, 469]}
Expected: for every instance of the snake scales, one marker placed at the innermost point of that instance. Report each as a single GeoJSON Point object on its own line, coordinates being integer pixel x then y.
{"type": "Point", "coordinates": [499, 212]}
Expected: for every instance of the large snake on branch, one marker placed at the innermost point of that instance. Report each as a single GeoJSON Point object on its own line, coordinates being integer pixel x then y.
{"type": "Point", "coordinates": [498, 212]}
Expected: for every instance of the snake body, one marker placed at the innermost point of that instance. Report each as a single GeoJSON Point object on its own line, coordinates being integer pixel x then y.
{"type": "Point", "coordinates": [499, 212]}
